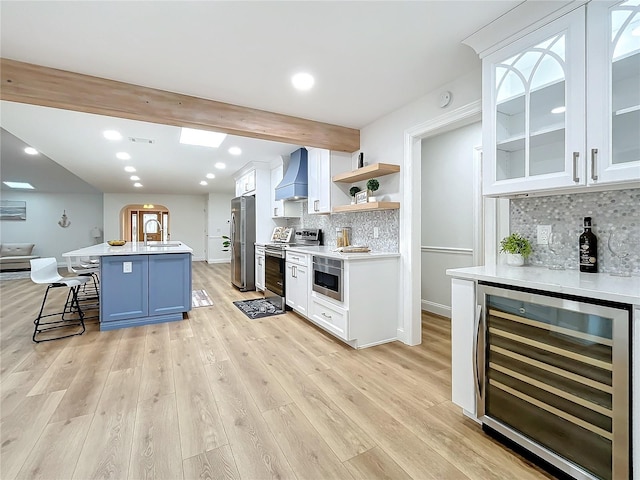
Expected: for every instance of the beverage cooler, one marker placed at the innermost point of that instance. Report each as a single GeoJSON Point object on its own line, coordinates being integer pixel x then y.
{"type": "Point", "coordinates": [553, 376]}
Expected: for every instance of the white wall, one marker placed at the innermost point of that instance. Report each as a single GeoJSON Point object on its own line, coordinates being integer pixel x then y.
{"type": "Point", "coordinates": [219, 210]}
{"type": "Point", "coordinates": [187, 217]}
{"type": "Point", "coordinates": [384, 141]}
{"type": "Point", "coordinates": [44, 210]}
{"type": "Point", "coordinates": [447, 211]}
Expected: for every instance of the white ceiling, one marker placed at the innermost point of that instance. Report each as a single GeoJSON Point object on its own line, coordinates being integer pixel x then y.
{"type": "Point", "coordinates": [368, 58]}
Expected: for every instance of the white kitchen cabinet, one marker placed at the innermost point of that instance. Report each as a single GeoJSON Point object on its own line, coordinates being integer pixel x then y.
{"type": "Point", "coordinates": [368, 312]}
{"type": "Point", "coordinates": [323, 193]}
{"type": "Point", "coordinates": [297, 285]}
{"type": "Point", "coordinates": [259, 267]}
{"type": "Point", "coordinates": [464, 326]}
{"type": "Point", "coordinates": [281, 208]}
{"type": "Point", "coordinates": [330, 316]}
{"type": "Point", "coordinates": [246, 184]}
{"type": "Point", "coordinates": [613, 120]}
{"type": "Point", "coordinates": [535, 104]}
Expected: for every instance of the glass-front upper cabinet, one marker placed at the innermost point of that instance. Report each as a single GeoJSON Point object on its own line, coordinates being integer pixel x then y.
{"type": "Point", "coordinates": [533, 102]}
{"type": "Point", "coordinates": [613, 83]}
{"type": "Point", "coordinates": [561, 105]}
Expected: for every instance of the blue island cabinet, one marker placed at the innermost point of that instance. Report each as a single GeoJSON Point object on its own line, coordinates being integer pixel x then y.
{"type": "Point", "coordinates": [144, 289]}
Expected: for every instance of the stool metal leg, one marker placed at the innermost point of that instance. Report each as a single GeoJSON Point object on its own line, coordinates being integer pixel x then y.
{"type": "Point", "coordinates": [72, 306]}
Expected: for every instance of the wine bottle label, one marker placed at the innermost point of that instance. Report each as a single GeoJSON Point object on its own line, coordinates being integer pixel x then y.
{"type": "Point", "coordinates": [585, 255]}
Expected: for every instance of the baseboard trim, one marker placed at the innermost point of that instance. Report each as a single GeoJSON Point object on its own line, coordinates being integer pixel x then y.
{"type": "Point", "coordinates": [219, 260]}
{"type": "Point", "coordinates": [437, 308]}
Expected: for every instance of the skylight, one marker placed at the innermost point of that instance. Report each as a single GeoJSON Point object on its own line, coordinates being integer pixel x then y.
{"type": "Point", "coordinates": [202, 138]}
{"type": "Point", "coordinates": [22, 185]}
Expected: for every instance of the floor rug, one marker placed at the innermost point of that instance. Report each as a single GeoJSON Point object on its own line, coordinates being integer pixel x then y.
{"type": "Point", "coordinates": [258, 308]}
{"type": "Point", "coordinates": [15, 275]}
{"type": "Point", "coordinates": [200, 298]}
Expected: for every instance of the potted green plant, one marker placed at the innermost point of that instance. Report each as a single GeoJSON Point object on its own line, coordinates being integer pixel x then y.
{"type": "Point", "coordinates": [352, 191]}
{"type": "Point", "coordinates": [226, 242]}
{"type": "Point", "coordinates": [517, 248]}
{"type": "Point", "coordinates": [372, 186]}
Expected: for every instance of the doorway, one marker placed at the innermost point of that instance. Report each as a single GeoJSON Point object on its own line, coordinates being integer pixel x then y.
{"type": "Point", "coordinates": [134, 218]}
{"type": "Point", "coordinates": [450, 193]}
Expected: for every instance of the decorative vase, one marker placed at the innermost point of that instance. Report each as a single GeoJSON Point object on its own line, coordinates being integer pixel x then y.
{"type": "Point", "coordinates": [515, 259]}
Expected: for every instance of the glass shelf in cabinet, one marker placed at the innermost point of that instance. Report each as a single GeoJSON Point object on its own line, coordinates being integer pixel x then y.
{"type": "Point", "coordinates": [512, 144]}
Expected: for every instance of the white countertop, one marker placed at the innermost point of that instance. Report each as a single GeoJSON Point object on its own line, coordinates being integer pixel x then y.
{"type": "Point", "coordinates": [572, 282]}
{"type": "Point", "coordinates": [330, 252]}
{"type": "Point", "coordinates": [129, 248]}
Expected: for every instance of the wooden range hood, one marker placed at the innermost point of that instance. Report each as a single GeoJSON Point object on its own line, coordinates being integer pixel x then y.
{"type": "Point", "coordinates": [50, 87]}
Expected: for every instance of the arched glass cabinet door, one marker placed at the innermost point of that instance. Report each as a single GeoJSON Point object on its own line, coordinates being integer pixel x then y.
{"type": "Point", "coordinates": [530, 111]}
{"type": "Point", "coordinates": [537, 117]}
{"type": "Point", "coordinates": [614, 88]}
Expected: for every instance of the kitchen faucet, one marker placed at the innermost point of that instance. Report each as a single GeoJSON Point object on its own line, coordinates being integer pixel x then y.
{"type": "Point", "coordinates": [144, 229]}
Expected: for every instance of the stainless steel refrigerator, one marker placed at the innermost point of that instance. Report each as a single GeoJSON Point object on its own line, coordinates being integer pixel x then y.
{"type": "Point", "coordinates": [243, 238]}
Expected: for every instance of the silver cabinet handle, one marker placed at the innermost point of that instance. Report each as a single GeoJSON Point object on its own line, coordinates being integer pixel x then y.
{"type": "Point", "coordinates": [275, 211]}
{"type": "Point", "coordinates": [594, 164]}
{"type": "Point", "coordinates": [315, 205]}
{"type": "Point", "coordinates": [476, 375]}
{"type": "Point", "coordinates": [576, 156]}
{"type": "Point", "coordinates": [325, 315]}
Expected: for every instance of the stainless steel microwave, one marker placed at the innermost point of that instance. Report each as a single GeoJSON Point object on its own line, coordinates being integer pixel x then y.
{"type": "Point", "coordinates": [328, 275]}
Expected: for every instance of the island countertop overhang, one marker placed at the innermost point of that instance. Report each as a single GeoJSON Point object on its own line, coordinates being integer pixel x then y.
{"type": "Point", "coordinates": [129, 248]}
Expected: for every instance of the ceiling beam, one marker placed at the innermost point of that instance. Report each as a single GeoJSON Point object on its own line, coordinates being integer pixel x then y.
{"type": "Point", "coordinates": [50, 87]}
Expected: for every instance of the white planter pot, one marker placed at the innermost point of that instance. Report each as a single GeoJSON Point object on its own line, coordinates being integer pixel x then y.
{"type": "Point", "coordinates": [515, 259]}
{"type": "Point", "coordinates": [372, 199]}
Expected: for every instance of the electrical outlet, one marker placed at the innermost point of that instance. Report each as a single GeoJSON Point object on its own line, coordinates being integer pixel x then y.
{"type": "Point", "coordinates": [543, 234]}
{"type": "Point", "coordinates": [376, 232]}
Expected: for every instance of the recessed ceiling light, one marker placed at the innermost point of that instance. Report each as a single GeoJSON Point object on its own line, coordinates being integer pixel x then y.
{"type": "Point", "coordinates": [23, 185]}
{"type": "Point", "coordinates": [561, 109]}
{"type": "Point", "coordinates": [112, 135]}
{"type": "Point", "coordinates": [30, 151]}
{"type": "Point", "coordinates": [302, 81]}
{"type": "Point", "coordinates": [137, 184]}
{"type": "Point", "coordinates": [129, 169]}
{"type": "Point", "coordinates": [210, 175]}
{"type": "Point", "coordinates": [203, 138]}
{"type": "Point", "coordinates": [235, 151]}
{"type": "Point", "coordinates": [203, 183]}
{"type": "Point", "coordinates": [220, 166]}
{"type": "Point", "coordinates": [123, 156]}
{"type": "Point", "coordinates": [135, 178]}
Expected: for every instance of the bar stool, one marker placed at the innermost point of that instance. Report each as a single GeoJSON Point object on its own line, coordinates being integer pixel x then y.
{"type": "Point", "coordinates": [89, 294]}
{"type": "Point", "coordinates": [45, 271]}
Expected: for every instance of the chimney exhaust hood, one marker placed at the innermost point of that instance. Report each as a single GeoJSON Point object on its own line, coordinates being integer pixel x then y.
{"type": "Point", "coordinates": [294, 184]}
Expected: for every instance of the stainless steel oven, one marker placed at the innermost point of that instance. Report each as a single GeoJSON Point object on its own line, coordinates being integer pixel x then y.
{"type": "Point", "coordinates": [553, 375]}
{"type": "Point", "coordinates": [328, 277]}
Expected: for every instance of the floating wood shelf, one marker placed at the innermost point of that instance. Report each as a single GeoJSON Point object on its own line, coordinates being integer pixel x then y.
{"type": "Point", "coordinates": [364, 173]}
{"type": "Point", "coordinates": [366, 207]}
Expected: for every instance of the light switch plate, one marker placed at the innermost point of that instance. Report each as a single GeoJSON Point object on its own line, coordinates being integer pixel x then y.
{"type": "Point", "coordinates": [543, 234]}
{"type": "Point", "coordinates": [376, 232]}
{"type": "Point", "coordinates": [126, 267]}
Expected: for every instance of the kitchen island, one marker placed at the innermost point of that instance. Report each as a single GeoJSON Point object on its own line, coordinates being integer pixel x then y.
{"type": "Point", "coordinates": [141, 284]}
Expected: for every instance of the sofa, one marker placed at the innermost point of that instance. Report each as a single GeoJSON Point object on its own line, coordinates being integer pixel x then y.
{"type": "Point", "coordinates": [16, 256]}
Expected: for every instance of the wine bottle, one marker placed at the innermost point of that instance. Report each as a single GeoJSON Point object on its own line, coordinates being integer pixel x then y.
{"type": "Point", "coordinates": [588, 249]}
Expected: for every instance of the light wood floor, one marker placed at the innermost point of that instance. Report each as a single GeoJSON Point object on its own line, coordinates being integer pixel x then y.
{"type": "Point", "coordinates": [221, 396]}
